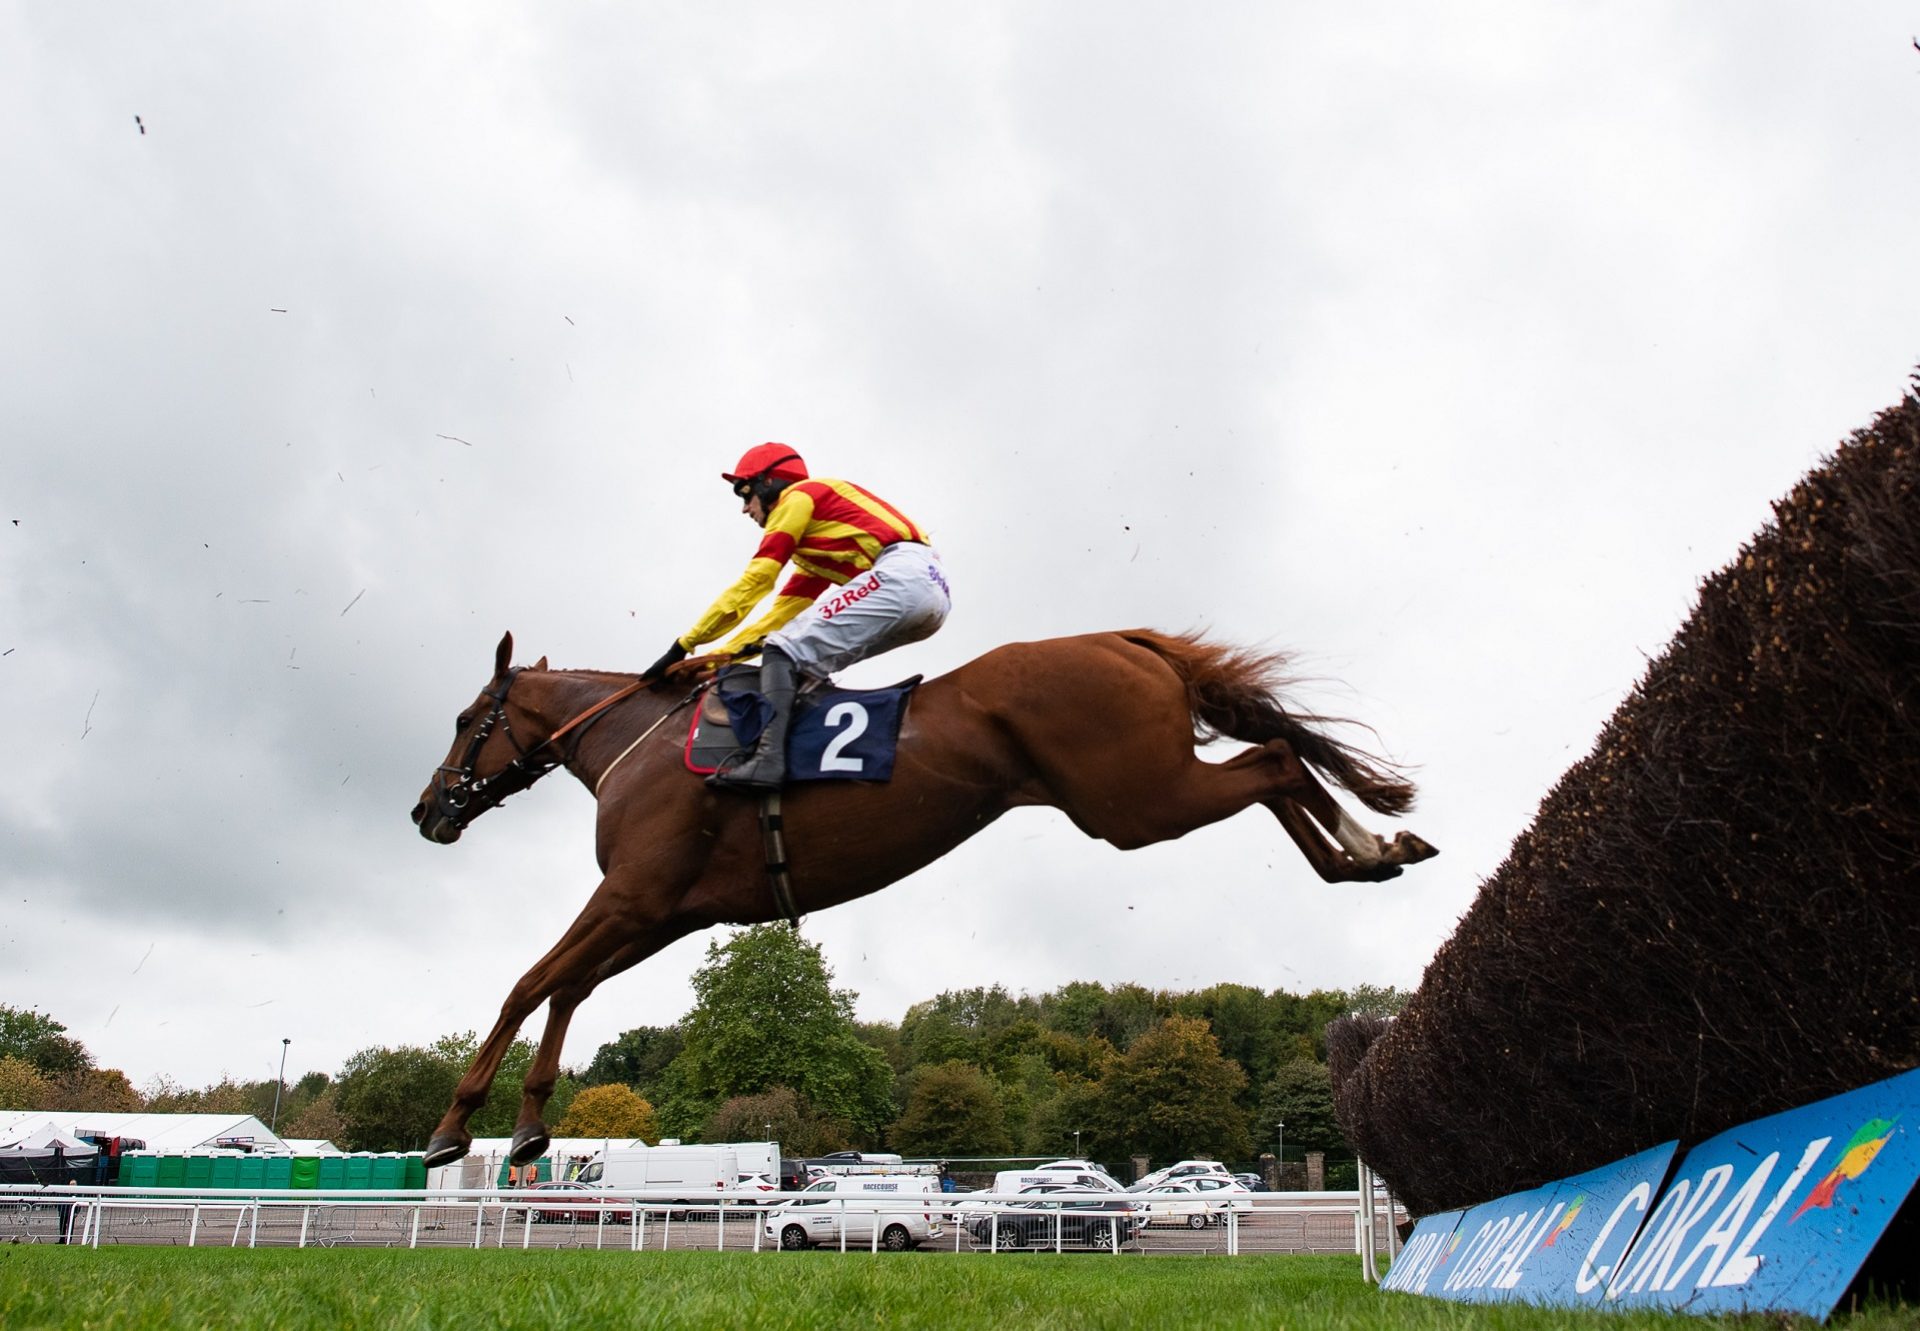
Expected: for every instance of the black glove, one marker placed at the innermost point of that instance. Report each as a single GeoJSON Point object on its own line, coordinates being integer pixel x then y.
{"type": "Point", "coordinates": [674, 655]}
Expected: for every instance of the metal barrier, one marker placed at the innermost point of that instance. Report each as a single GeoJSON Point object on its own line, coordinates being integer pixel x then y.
{"type": "Point", "coordinates": [992, 1223]}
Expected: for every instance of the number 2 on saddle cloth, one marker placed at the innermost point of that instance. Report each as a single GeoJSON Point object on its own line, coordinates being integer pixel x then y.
{"type": "Point", "coordinates": [836, 734]}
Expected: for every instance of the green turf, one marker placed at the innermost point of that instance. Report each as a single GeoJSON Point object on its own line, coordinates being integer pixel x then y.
{"type": "Point", "coordinates": [339, 1289]}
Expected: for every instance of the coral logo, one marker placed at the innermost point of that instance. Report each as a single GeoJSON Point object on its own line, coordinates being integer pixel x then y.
{"type": "Point", "coordinates": [1855, 1160]}
{"type": "Point", "coordinates": [1566, 1221]}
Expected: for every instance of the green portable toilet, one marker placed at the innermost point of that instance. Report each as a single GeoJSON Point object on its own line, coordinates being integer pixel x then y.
{"type": "Point", "coordinates": [416, 1172]}
{"type": "Point", "coordinates": [170, 1171]}
{"type": "Point", "coordinates": [140, 1169]}
{"type": "Point", "coordinates": [388, 1173]}
{"type": "Point", "coordinates": [359, 1171]}
{"type": "Point", "coordinates": [333, 1172]}
{"type": "Point", "coordinates": [253, 1171]}
{"type": "Point", "coordinates": [276, 1171]}
{"type": "Point", "coordinates": [305, 1170]}
{"type": "Point", "coordinates": [226, 1170]}
{"type": "Point", "coordinates": [199, 1171]}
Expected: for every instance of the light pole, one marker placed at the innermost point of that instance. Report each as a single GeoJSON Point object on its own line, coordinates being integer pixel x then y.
{"type": "Point", "coordinates": [1280, 1153]}
{"type": "Point", "coordinates": [281, 1081]}
{"type": "Point", "coordinates": [1076, 1143]}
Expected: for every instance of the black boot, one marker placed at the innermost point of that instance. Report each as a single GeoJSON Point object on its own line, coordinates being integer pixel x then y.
{"type": "Point", "coordinates": [766, 767]}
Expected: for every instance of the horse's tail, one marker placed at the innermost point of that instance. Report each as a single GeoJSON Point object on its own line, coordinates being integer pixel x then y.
{"type": "Point", "coordinates": [1235, 692]}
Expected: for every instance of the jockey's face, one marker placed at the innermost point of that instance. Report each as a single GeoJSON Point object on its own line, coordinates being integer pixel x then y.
{"type": "Point", "coordinates": [756, 510]}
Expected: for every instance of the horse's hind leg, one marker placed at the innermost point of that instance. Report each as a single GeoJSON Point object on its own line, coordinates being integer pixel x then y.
{"type": "Point", "coordinates": [1362, 856]}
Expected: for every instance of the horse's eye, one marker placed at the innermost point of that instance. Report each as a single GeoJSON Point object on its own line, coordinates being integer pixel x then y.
{"type": "Point", "coordinates": [461, 722]}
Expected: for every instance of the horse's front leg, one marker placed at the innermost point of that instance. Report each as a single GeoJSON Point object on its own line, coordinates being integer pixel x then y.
{"type": "Point", "coordinates": [530, 1135]}
{"type": "Point", "coordinates": [589, 940]}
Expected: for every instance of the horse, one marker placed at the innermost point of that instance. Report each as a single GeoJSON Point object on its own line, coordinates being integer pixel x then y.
{"type": "Point", "coordinates": [1103, 727]}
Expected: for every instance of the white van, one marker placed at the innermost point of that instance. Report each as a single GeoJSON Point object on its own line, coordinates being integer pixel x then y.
{"type": "Point", "coordinates": [860, 1202]}
{"type": "Point", "coordinates": [1092, 1178]}
{"type": "Point", "coordinates": [676, 1173]}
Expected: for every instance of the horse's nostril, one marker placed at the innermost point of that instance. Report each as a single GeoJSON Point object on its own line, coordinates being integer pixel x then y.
{"type": "Point", "coordinates": [420, 813]}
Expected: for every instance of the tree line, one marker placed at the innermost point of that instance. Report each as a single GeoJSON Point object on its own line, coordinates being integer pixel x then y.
{"type": "Point", "coordinates": [771, 1049]}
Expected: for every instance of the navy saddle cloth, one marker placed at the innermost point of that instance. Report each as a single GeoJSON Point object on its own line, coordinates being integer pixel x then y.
{"type": "Point", "coordinates": [836, 734]}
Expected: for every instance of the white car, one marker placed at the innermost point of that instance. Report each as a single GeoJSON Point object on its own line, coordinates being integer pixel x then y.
{"type": "Point", "coordinates": [1196, 1201]}
{"type": "Point", "coordinates": [1182, 1172]}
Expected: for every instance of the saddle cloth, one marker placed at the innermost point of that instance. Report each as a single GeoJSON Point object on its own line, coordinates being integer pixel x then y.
{"type": "Point", "coordinates": [835, 734]}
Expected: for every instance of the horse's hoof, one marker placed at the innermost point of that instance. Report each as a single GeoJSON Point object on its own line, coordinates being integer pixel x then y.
{"type": "Point", "coordinates": [529, 1143]}
{"type": "Point", "coordinates": [445, 1150]}
{"type": "Point", "coordinates": [1410, 849]}
{"type": "Point", "coordinates": [1379, 873]}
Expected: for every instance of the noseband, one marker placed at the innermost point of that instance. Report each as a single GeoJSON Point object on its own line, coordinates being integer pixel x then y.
{"type": "Point", "coordinates": [459, 796]}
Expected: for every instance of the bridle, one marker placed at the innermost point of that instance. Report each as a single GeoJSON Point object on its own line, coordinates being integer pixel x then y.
{"type": "Point", "coordinates": [459, 796]}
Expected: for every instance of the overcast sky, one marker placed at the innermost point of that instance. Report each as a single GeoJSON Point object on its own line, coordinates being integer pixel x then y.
{"type": "Point", "coordinates": [1447, 346]}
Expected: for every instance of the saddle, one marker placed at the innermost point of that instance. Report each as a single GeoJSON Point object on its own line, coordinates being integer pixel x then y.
{"type": "Point", "coordinates": [834, 734]}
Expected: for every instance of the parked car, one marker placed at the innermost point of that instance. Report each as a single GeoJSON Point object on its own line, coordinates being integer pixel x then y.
{"type": "Point", "coordinates": [749, 1187]}
{"type": "Point", "coordinates": [1074, 1218]}
{"type": "Point", "coordinates": [1182, 1204]}
{"type": "Point", "coordinates": [577, 1214]}
{"type": "Point", "coordinates": [1251, 1182]}
{"type": "Point", "coordinates": [1184, 1169]}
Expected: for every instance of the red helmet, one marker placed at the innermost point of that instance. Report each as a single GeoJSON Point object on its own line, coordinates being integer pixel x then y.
{"type": "Point", "coordinates": [775, 461]}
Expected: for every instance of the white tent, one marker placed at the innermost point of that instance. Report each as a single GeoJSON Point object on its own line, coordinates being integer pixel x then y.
{"type": "Point", "coordinates": [45, 1136]}
{"type": "Point", "coordinates": [165, 1134]}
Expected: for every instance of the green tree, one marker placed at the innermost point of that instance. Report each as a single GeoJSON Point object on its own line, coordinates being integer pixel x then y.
{"type": "Point", "coordinates": [390, 1099]}
{"type": "Point", "coordinates": [766, 1014]}
{"type": "Point", "coordinates": [953, 1109]}
{"type": "Point", "coordinates": [611, 1110]}
{"type": "Point", "coordinates": [1301, 1096]}
{"type": "Point", "coordinates": [39, 1040]}
{"type": "Point", "coordinates": [1173, 1095]}
{"type": "Point", "coordinates": [635, 1058]}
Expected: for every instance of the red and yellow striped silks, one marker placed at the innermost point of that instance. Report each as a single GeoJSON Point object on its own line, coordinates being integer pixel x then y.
{"type": "Point", "coordinates": [830, 530]}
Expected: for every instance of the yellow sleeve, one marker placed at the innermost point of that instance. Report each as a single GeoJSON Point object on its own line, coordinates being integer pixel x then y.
{"type": "Point", "coordinates": [734, 603]}
{"type": "Point", "coordinates": [791, 516]}
{"type": "Point", "coordinates": [778, 615]}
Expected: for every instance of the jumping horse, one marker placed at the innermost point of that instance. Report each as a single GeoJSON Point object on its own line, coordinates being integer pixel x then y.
{"type": "Point", "coordinates": [1103, 727]}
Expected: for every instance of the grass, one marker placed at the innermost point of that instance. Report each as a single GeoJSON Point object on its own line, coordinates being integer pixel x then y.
{"type": "Point", "coordinates": [342, 1289]}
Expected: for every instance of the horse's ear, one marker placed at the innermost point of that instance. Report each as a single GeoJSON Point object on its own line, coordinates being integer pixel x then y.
{"type": "Point", "coordinates": [541, 664]}
{"type": "Point", "coordinates": [503, 655]}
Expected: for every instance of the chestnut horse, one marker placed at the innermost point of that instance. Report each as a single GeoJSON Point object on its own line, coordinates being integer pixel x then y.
{"type": "Point", "coordinates": [1102, 727]}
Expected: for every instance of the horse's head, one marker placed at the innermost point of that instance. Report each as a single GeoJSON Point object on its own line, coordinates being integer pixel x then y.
{"type": "Point", "coordinates": [487, 762]}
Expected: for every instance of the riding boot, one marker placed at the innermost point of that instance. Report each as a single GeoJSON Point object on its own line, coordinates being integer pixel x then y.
{"type": "Point", "coordinates": [766, 767]}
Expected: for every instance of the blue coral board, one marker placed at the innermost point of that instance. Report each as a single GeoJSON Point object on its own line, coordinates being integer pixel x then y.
{"type": "Point", "coordinates": [1556, 1244]}
{"type": "Point", "coordinates": [1777, 1215]}
{"type": "Point", "coordinates": [1781, 1213]}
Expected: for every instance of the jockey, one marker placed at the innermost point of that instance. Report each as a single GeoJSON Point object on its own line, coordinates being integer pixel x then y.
{"type": "Point", "coordinates": [892, 591]}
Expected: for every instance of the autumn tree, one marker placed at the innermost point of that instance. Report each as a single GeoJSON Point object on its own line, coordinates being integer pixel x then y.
{"type": "Point", "coordinates": [778, 1114]}
{"type": "Point", "coordinates": [1173, 1095]}
{"type": "Point", "coordinates": [24, 1086]}
{"type": "Point", "coordinates": [611, 1110]}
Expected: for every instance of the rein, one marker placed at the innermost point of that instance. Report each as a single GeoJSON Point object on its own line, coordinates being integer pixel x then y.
{"type": "Point", "coordinates": [464, 797]}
